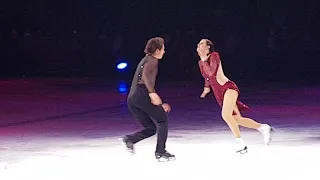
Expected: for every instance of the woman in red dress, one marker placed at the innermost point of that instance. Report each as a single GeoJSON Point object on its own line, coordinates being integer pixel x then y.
{"type": "Point", "coordinates": [226, 93]}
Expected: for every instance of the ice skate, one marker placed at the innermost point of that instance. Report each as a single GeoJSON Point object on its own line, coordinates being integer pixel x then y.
{"type": "Point", "coordinates": [266, 131]}
{"type": "Point", "coordinates": [128, 143]}
{"type": "Point", "coordinates": [241, 146]}
{"type": "Point", "coordinates": [163, 157]}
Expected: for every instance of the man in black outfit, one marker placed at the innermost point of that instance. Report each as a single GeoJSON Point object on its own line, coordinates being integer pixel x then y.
{"type": "Point", "coordinates": [145, 104]}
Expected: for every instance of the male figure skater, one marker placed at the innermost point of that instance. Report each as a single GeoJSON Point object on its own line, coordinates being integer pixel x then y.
{"type": "Point", "coordinates": [145, 104]}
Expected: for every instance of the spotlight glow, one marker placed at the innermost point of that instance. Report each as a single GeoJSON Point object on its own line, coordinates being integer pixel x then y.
{"type": "Point", "coordinates": [122, 65]}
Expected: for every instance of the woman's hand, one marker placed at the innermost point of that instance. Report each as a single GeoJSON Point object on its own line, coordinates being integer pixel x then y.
{"type": "Point", "coordinates": [206, 90]}
{"type": "Point", "coordinates": [202, 53]}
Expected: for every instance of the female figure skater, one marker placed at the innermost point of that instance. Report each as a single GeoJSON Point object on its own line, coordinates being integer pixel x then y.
{"type": "Point", "coordinates": [226, 93]}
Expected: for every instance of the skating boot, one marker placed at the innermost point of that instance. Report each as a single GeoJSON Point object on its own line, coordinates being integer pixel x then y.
{"type": "Point", "coordinates": [129, 144]}
{"type": "Point", "coordinates": [266, 131]}
{"type": "Point", "coordinates": [241, 146]}
{"type": "Point", "coordinates": [163, 157]}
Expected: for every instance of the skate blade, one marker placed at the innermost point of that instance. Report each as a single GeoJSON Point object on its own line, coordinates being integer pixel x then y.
{"type": "Point", "coordinates": [269, 142]}
{"type": "Point", "coordinates": [162, 159]}
{"type": "Point", "coordinates": [243, 151]}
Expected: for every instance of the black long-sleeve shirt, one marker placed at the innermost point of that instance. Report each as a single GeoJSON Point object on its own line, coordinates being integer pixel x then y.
{"type": "Point", "coordinates": [146, 73]}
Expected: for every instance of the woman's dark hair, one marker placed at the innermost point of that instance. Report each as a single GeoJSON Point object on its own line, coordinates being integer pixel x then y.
{"type": "Point", "coordinates": [209, 43]}
{"type": "Point", "coordinates": [153, 44]}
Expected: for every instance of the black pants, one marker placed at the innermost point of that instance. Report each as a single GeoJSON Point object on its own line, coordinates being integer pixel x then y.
{"type": "Point", "coordinates": [145, 112]}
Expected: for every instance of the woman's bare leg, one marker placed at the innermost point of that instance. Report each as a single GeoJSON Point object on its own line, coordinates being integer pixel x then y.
{"type": "Point", "coordinates": [265, 129]}
{"type": "Point", "coordinates": [229, 102]}
{"type": "Point", "coordinates": [244, 121]}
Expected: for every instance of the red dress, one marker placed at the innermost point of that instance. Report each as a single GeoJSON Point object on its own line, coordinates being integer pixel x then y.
{"type": "Point", "coordinates": [209, 69]}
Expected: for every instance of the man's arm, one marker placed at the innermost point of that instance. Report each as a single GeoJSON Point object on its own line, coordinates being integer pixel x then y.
{"type": "Point", "coordinates": [148, 76]}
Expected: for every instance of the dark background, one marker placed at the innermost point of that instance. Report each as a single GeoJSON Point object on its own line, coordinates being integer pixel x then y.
{"type": "Point", "coordinates": [259, 41]}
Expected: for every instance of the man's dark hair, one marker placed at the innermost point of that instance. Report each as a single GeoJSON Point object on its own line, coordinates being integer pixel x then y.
{"type": "Point", "coordinates": [153, 44]}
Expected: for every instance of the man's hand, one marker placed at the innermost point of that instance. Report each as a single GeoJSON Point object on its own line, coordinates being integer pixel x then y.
{"type": "Point", "coordinates": [155, 99]}
{"type": "Point", "coordinates": [166, 107]}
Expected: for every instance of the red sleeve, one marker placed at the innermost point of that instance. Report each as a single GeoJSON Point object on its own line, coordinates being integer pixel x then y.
{"type": "Point", "coordinates": [217, 58]}
{"type": "Point", "coordinates": [212, 64]}
{"type": "Point", "coordinates": [206, 83]}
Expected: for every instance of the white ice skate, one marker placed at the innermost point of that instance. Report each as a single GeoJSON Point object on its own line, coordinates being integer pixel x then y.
{"type": "Point", "coordinates": [266, 131]}
{"type": "Point", "coordinates": [241, 146]}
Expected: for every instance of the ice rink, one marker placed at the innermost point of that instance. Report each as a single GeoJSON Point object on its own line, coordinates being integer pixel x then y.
{"type": "Point", "coordinates": [62, 129]}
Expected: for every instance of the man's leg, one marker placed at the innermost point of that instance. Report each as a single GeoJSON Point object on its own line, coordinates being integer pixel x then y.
{"type": "Point", "coordinates": [145, 121]}
{"type": "Point", "coordinates": [160, 116]}
{"type": "Point", "coordinates": [157, 113]}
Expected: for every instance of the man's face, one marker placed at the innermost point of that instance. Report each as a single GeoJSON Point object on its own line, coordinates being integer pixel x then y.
{"type": "Point", "coordinates": [160, 53]}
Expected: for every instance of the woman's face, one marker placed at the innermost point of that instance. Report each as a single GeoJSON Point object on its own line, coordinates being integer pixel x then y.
{"type": "Point", "coordinates": [202, 47]}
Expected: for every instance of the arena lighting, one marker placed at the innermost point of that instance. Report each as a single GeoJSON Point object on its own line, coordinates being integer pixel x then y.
{"type": "Point", "coordinates": [122, 66]}
{"type": "Point", "coordinates": [122, 88]}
